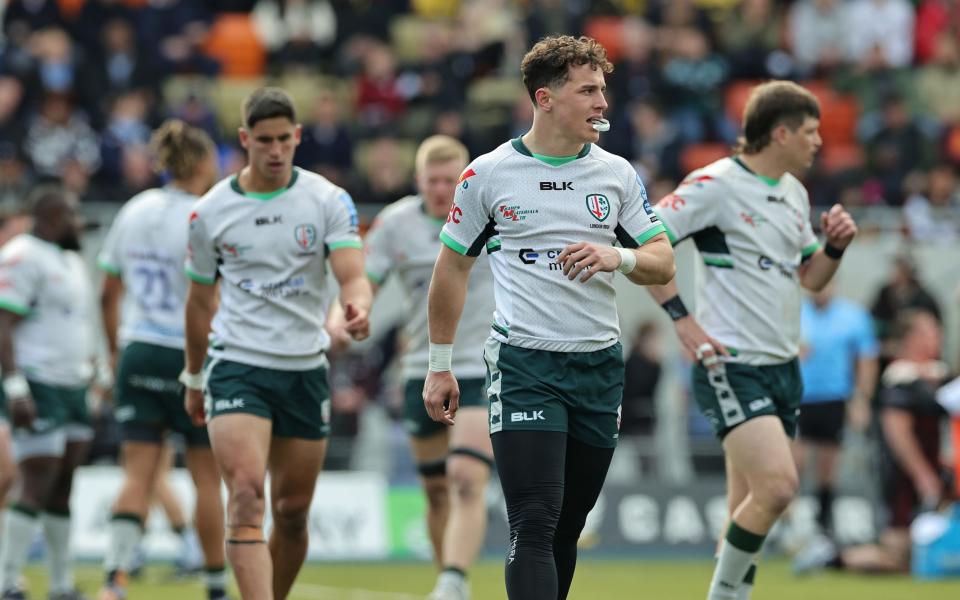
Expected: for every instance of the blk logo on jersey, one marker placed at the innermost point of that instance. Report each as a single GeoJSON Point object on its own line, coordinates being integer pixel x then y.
{"type": "Point", "coordinates": [306, 236]}
{"type": "Point", "coordinates": [555, 186]}
{"type": "Point", "coordinates": [274, 220]}
{"type": "Point", "coordinates": [599, 206]}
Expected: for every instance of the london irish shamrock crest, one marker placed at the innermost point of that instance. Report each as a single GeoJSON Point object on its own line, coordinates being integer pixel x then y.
{"type": "Point", "coordinates": [599, 206]}
{"type": "Point", "coordinates": [306, 236]}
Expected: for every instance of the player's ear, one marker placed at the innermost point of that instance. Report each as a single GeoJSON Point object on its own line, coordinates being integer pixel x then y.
{"type": "Point", "coordinates": [244, 136]}
{"type": "Point", "coordinates": [297, 133]}
{"type": "Point", "coordinates": [544, 98]}
{"type": "Point", "coordinates": [779, 133]}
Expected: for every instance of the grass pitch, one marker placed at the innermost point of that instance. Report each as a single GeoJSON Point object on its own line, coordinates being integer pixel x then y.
{"type": "Point", "coordinates": [640, 579]}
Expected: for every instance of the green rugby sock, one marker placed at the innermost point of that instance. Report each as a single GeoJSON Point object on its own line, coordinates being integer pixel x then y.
{"type": "Point", "coordinates": [736, 558]}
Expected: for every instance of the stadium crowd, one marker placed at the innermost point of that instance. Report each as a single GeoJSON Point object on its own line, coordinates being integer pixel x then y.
{"type": "Point", "coordinates": [83, 82]}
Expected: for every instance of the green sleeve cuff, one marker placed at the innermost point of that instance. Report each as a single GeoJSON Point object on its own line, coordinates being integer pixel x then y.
{"type": "Point", "coordinates": [198, 277]}
{"type": "Point", "coordinates": [808, 251]}
{"type": "Point", "coordinates": [377, 279]}
{"type": "Point", "coordinates": [108, 268]}
{"type": "Point", "coordinates": [17, 309]}
{"type": "Point", "coordinates": [644, 237]}
{"type": "Point", "coordinates": [346, 244]}
{"type": "Point", "coordinates": [453, 244]}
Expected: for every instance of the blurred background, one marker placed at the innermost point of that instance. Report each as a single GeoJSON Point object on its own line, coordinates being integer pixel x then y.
{"type": "Point", "coordinates": [83, 83]}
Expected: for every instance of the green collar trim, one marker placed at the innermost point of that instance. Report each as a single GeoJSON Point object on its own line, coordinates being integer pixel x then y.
{"type": "Point", "coordinates": [235, 184]}
{"type": "Point", "coordinates": [553, 161]}
{"type": "Point", "coordinates": [435, 220]}
{"type": "Point", "coordinates": [767, 180]}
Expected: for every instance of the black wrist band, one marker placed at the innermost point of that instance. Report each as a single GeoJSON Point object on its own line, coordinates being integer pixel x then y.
{"type": "Point", "coordinates": [675, 308]}
{"type": "Point", "coordinates": [832, 251]}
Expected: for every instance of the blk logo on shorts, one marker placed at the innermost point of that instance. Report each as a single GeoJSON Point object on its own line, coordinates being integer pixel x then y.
{"type": "Point", "coordinates": [231, 404]}
{"type": "Point", "coordinates": [529, 415]}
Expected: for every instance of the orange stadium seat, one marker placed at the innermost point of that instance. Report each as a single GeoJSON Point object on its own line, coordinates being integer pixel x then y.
{"type": "Point", "coordinates": [835, 158]}
{"type": "Point", "coordinates": [735, 98]}
{"type": "Point", "coordinates": [69, 9]}
{"type": "Point", "coordinates": [234, 42]}
{"type": "Point", "coordinates": [609, 32]}
{"type": "Point", "coordinates": [695, 156]}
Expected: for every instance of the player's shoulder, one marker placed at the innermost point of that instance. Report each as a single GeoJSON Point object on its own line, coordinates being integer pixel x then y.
{"type": "Point", "coordinates": [795, 187]}
{"type": "Point", "coordinates": [615, 161]}
{"type": "Point", "coordinates": [217, 197]}
{"type": "Point", "coordinates": [23, 249]}
{"type": "Point", "coordinates": [401, 210]}
{"type": "Point", "coordinates": [720, 173]}
{"type": "Point", "coordinates": [315, 182]}
{"type": "Point", "coordinates": [484, 166]}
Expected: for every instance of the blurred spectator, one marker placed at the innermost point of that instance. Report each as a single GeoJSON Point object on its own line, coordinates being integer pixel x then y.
{"type": "Point", "coordinates": [934, 17]}
{"type": "Point", "coordinates": [95, 15]}
{"type": "Point", "coordinates": [60, 143]}
{"type": "Point", "coordinates": [21, 18]}
{"type": "Point", "coordinates": [379, 97]}
{"type": "Point", "coordinates": [197, 112]}
{"type": "Point", "coordinates": [642, 374]}
{"type": "Point", "coordinates": [938, 83]}
{"type": "Point", "coordinates": [119, 67]}
{"type": "Point", "coordinates": [385, 175]}
{"type": "Point", "coordinates": [910, 421]}
{"type": "Point", "coordinates": [642, 135]}
{"type": "Point", "coordinates": [902, 292]}
{"type": "Point", "coordinates": [11, 110]}
{"type": "Point", "coordinates": [896, 146]}
{"type": "Point", "coordinates": [171, 34]}
{"type": "Point", "coordinates": [668, 15]}
{"type": "Point", "coordinates": [636, 76]}
{"type": "Point", "coordinates": [325, 145]}
{"type": "Point", "coordinates": [126, 127]}
{"type": "Point", "coordinates": [750, 37]}
{"type": "Point", "coordinates": [933, 217]}
{"type": "Point", "coordinates": [15, 180]}
{"type": "Point", "coordinates": [453, 123]}
{"type": "Point", "coordinates": [818, 35]}
{"type": "Point", "coordinates": [56, 62]}
{"type": "Point", "coordinates": [295, 32]}
{"type": "Point", "coordinates": [693, 78]}
{"type": "Point", "coordinates": [880, 33]}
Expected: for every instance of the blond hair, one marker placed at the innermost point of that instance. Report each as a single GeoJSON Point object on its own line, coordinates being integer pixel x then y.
{"type": "Point", "coordinates": [179, 148]}
{"type": "Point", "coordinates": [440, 149]}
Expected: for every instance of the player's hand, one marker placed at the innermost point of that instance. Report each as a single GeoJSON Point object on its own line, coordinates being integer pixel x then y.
{"type": "Point", "coordinates": [929, 488]}
{"type": "Point", "coordinates": [193, 404]}
{"type": "Point", "coordinates": [588, 259]}
{"type": "Point", "coordinates": [838, 226]}
{"type": "Point", "coordinates": [697, 345]}
{"type": "Point", "coordinates": [358, 321]}
{"type": "Point", "coordinates": [22, 411]}
{"type": "Point", "coordinates": [441, 396]}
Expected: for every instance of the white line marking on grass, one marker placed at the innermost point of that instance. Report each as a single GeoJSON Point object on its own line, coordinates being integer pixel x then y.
{"type": "Point", "coordinates": [325, 592]}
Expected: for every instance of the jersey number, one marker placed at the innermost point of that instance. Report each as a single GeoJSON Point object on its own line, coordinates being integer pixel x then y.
{"type": "Point", "coordinates": [154, 291]}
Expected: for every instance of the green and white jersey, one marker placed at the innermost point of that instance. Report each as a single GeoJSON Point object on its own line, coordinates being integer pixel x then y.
{"type": "Point", "coordinates": [270, 252]}
{"type": "Point", "coordinates": [404, 240]}
{"type": "Point", "coordinates": [526, 209]}
{"type": "Point", "coordinates": [146, 247]}
{"type": "Point", "coordinates": [753, 234]}
{"type": "Point", "coordinates": [53, 292]}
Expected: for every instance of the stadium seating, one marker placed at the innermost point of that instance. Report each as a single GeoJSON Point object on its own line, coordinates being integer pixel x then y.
{"type": "Point", "coordinates": [234, 42]}
{"type": "Point", "coordinates": [695, 156]}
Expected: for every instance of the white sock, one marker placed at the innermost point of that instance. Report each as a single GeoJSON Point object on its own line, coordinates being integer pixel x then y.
{"type": "Point", "coordinates": [18, 532]}
{"type": "Point", "coordinates": [125, 533]}
{"type": "Point", "coordinates": [746, 587]}
{"type": "Point", "coordinates": [451, 577]}
{"type": "Point", "coordinates": [56, 530]}
{"type": "Point", "coordinates": [736, 557]}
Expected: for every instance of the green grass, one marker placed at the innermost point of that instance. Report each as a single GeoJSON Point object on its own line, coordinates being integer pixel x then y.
{"type": "Point", "coordinates": [654, 579]}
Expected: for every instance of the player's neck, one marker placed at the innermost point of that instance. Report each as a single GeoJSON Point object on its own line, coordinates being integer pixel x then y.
{"type": "Point", "coordinates": [764, 164]}
{"type": "Point", "coordinates": [252, 181]}
{"type": "Point", "coordinates": [543, 140]}
{"type": "Point", "coordinates": [190, 186]}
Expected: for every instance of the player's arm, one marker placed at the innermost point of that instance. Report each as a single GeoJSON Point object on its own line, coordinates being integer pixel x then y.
{"type": "Point", "coordinates": [696, 344]}
{"type": "Point", "coordinates": [865, 384]}
{"type": "Point", "coordinates": [897, 427]}
{"type": "Point", "coordinates": [110, 296]}
{"type": "Point", "coordinates": [445, 300]}
{"type": "Point", "coordinates": [840, 229]}
{"type": "Point", "coordinates": [201, 306]}
{"type": "Point", "coordinates": [650, 264]}
{"type": "Point", "coordinates": [19, 403]}
{"type": "Point", "coordinates": [356, 295]}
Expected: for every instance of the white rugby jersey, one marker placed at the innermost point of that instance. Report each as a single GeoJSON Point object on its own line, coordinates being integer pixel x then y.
{"type": "Point", "coordinates": [404, 239]}
{"type": "Point", "coordinates": [53, 292]}
{"type": "Point", "coordinates": [270, 252]}
{"type": "Point", "coordinates": [146, 247]}
{"type": "Point", "coordinates": [527, 211]}
{"type": "Point", "coordinates": [753, 234]}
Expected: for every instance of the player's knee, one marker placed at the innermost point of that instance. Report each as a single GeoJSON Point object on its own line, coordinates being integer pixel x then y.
{"type": "Point", "coordinates": [778, 491]}
{"type": "Point", "coordinates": [438, 496]}
{"type": "Point", "coordinates": [290, 515]}
{"type": "Point", "coordinates": [467, 481]}
{"type": "Point", "coordinates": [246, 501]}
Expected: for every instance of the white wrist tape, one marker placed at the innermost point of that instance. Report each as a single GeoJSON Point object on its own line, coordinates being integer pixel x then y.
{"type": "Point", "coordinates": [441, 357]}
{"type": "Point", "coordinates": [15, 386]}
{"type": "Point", "coordinates": [628, 260]}
{"type": "Point", "coordinates": [191, 381]}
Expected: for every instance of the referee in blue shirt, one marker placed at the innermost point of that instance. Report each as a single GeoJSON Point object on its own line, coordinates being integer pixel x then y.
{"type": "Point", "coordinates": [839, 368]}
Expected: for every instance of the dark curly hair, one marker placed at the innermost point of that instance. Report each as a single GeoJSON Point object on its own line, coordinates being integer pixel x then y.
{"type": "Point", "coordinates": [548, 63]}
{"type": "Point", "coordinates": [771, 104]}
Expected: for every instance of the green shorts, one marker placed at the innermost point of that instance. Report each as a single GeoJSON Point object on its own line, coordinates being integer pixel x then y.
{"type": "Point", "coordinates": [734, 393]}
{"type": "Point", "coordinates": [415, 417]}
{"type": "Point", "coordinates": [149, 399]}
{"type": "Point", "coordinates": [62, 417]}
{"type": "Point", "coordinates": [297, 402]}
{"type": "Point", "coordinates": [578, 393]}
